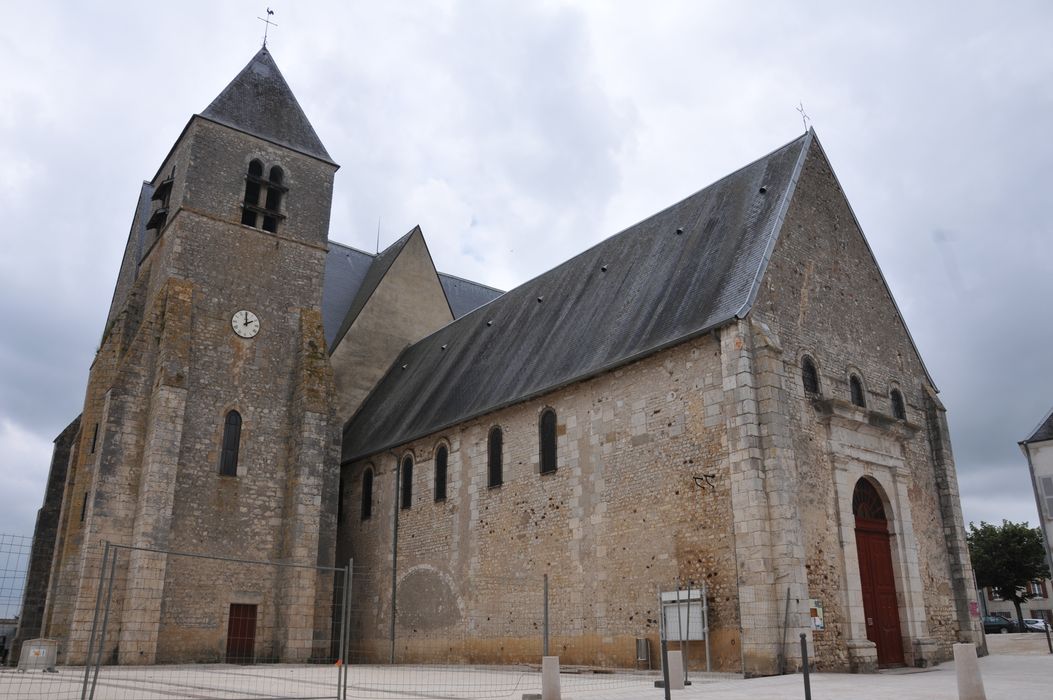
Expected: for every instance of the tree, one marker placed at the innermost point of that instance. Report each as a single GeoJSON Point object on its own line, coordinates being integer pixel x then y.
{"type": "Point", "coordinates": [1006, 559]}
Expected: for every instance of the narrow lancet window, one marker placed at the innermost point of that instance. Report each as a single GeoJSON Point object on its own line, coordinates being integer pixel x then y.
{"type": "Point", "coordinates": [441, 458]}
{"type": "Point", "coordinates": [899, 409]}
{"type": "Point", "coordinates": [252, 194]}
{"type": "Point", "coordinates": [495, 444]}
{"type": "Point", "coordinates": [228, 465]}
{"type": "Point", "coordinates": [547, 440]}
{"type": "Point", "coordinates": [856, 386]}
{"type": "Point", "coordinates": [809, 375]}
{"type": "Point", "coordinates": [407, 482]}
{"type": "Point", "coordinates": [367, 494]}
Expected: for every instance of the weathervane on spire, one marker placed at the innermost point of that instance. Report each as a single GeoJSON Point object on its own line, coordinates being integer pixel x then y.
{"type": "Point", "coordinates": [269, 24]}
{"type": "Point", "coordinates": [799, 108]}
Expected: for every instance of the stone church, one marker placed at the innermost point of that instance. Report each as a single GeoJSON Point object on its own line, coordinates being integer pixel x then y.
{"type": "Point", "coordinates": [724, 393]}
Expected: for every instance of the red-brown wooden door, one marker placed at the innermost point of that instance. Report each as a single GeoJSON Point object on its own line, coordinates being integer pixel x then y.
{"type": "Point", "coordinates": [879, 595]}
{"type": "Point", "coordinates": [241, 634]}
{"type": "Point", "coordinates": [878, 580]}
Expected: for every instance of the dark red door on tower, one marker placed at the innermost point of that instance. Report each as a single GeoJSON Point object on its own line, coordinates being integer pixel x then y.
{"type": "Point", "coordinates": [241, 634]}
{"type": "Point", "coordinates": [873, 545]}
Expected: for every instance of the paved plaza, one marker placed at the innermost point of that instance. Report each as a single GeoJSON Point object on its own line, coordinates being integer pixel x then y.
{"type": "Point", "coordinates": [1020, 667]}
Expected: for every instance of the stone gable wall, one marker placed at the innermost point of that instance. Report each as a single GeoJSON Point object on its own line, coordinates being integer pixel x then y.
{"type": "Point", "coordinates": [823, 296]}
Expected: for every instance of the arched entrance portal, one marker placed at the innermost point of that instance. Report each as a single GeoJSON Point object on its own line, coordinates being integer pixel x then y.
{"type": "Point", "coordinates": [876, 575]}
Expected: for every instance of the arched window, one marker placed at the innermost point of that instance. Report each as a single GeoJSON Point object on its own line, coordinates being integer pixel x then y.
{"type": "Point", "coordinates": [866, 503]}
{"type": "Point", "coordinates": [441, 457]}
{"type": "Point", "coordinates": [809, 375]}
{"type": "Point", "coordinates": [407, 482]}
{"type": "Point", "coordinates": [899, 409]}
{"type": "Point", "coordinates": [494, 445]}
{"type": "Point", "coordinates": [274, 200]}
{"type": "Point", "coordinates": [228, 464]}
{"type": "Point", "coordinates": [252, 194]}
{"type": "Point", "coordinates": [547, 440]}
{"type": "Point", "coordinates": [271, 189]}
{"type": "Point", "coordinates": [367, 494]}
{"type": "Point", "coordinates": [856, 387]}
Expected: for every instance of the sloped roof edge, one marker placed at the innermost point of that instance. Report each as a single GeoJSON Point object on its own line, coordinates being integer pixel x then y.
{"type": "Point", "coordinates": [881, 274]}
{"type": "Point", "coordinates": [1042, 432]}
{"type": "Point", "coordinates": [671, 288]}
{"type": "Point", "coordinates": [259, 102]}
{"type": "Point", "coordinates": [381, 264]}
{"type": "Point", "coordinates": [780, 217]}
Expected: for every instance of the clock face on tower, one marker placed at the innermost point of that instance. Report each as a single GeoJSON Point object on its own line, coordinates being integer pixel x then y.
{"type": "Point", "coordinates": [245, 324]}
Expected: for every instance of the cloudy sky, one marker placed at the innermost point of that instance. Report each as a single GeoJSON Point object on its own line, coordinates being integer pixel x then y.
{"type": "Point", "coordinates": [519, 133]}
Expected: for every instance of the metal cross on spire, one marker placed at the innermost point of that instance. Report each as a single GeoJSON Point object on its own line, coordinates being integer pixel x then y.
{"type": "Point", "coordinates": [804, 115]}
{"type": "Point", "coordinates": [267, 21]}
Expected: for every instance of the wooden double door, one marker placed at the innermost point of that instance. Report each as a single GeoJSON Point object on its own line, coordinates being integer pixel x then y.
{"type": "Point", "coordinates": [879, 591]}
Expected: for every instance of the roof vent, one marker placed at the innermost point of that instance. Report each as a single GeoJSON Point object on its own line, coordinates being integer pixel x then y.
{"type": "Point", "coordinates": [405, 366]}
{"type": "Point", "coordinates": [444, 346]}
{"type": "Point", "coordinates": [679, 231]}
{"type": "Point", "coordinates": [603, 269]}
{"type": "Point", "coordinates": [763, 189]}
{"type": "Point", "coordinates": [540, 299]}
{"type": "Point", "coordinates": [489, 323]}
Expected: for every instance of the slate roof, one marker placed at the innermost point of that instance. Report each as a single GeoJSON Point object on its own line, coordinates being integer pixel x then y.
{"type": "Point", "coordinates": [346, 272]}
{"type": "Point", "coordinates": [259, 102]}
{"type": "Point", "coordinates": [464, 295]}
{"type": "Point", "coordinates": [676, 275]}
{"type": "Point", "coordinates": [345, 268]}
{"type": "Point", "coordinates": [1043, 432]}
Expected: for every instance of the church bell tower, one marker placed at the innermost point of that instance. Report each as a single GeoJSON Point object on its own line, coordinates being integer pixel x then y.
{"type": "Point", "coordinates": [207, 420]}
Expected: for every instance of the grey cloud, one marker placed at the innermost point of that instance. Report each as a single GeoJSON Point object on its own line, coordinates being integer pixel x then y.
{"type": "Point", "coordinates": [516, 135]}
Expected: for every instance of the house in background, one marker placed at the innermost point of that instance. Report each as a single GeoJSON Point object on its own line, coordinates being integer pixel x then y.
{"type": "Point", "coordinates": [1038, 449]}
{"type": "Point", "coordinates": [1038, 606]}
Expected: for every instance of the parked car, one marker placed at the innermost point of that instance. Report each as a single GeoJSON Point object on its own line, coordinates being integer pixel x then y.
{"type": "Point", "coordinates": [1032, 624]}
{"type": "Point", "coordinates": [996, 623]}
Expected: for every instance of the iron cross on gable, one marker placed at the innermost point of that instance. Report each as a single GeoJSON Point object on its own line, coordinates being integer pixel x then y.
{"type": "Point", "coordinates": [267, 21]}
{"type": "Point", "coordinates": [804, 115]}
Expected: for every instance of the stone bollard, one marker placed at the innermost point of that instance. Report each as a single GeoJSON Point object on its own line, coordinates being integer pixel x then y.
{"type": "Point", "coordinates": [676, 670]}
{"type": "Point", "coordinates": [970, 684]}
{"type": "Point", "coordinates": [550, 678]}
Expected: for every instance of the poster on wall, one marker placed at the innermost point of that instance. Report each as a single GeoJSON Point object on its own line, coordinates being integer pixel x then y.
{"type": "Point", "coordinates": [815, 610]}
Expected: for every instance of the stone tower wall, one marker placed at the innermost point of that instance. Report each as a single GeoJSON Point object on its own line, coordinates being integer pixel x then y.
{"type": "Point", "coordinates": [169, 370]}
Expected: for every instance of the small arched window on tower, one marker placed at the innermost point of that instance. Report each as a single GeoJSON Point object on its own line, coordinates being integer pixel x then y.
{"type": "Point", "coordinates": [253, 182]}
{"type": "Point", "coordinates": [809, 375]}
{"type": "Point", "coordinates": [547, 440]}
{"type": "Point", "coordinates": [899, 409]}
{"type": "Point", "coordinates": [273, 203]}
{"type": "Point", "coordinates": [271, 190]}
{"type": "Point", "coordinates": [441, 458]}
{"type": "Point", "coordinates": [856, 387]}
{"type": "Point", "coordinates": [367, 494]}
{"type": "Point", "coordinates": [407, 482]}
{"type": "Point", "coordinates": [494, 444]}
{"type": "Point", "coordinates": [228, 465]}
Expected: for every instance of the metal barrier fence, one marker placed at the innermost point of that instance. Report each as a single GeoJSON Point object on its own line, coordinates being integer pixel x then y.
{"type": "Point", "coordinates": [133, 623]}
{"type": "Point", "coordinates": [144, 623]}
{"type": "Point", "coordinates": [486, 638]}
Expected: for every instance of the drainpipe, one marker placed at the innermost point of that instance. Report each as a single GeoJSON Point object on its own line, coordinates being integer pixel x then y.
{"type": "Point", "coordinates": [397, 503]}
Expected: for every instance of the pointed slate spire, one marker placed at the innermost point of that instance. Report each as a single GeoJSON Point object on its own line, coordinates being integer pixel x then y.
{"type": "Point", "coordinates": [259, 102]}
